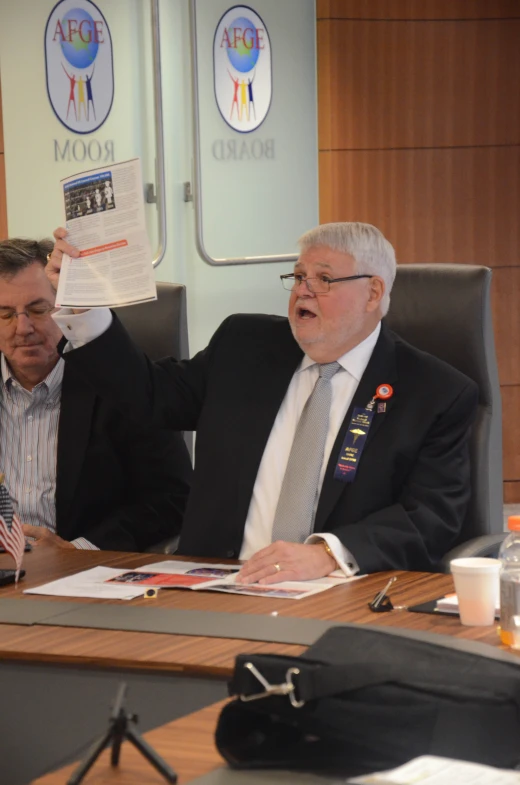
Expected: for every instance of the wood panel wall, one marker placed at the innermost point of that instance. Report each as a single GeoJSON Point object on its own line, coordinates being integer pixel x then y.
{"type": "Point", "coordinates": [3, 196]}
{"type": "Point", "coordinates": [419, 134]}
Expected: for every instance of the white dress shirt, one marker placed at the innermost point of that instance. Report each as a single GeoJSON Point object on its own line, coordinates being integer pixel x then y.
{"type": "Point", "coordinates": [266, 491]}
{"type": "Point", "coordinates": [84, 327]}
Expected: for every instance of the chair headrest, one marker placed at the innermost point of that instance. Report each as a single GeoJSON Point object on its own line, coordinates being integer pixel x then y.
{"type": "Point", "coordinates": [444, 309]}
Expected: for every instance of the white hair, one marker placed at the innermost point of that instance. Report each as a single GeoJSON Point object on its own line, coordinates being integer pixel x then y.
{"type": "Point", "coordinates": [373, 253]}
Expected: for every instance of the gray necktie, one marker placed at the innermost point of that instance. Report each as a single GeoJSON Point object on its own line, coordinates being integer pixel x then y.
{"type": "Point", "coordinates": [293, 520]}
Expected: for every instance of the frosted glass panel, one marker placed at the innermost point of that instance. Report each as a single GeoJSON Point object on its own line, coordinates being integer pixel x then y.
{"type": "Point", "coordinates": [256, 128]}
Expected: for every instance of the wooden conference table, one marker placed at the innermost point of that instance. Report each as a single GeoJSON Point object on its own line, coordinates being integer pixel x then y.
{"type": "Point", "coordinates": [32, 656]}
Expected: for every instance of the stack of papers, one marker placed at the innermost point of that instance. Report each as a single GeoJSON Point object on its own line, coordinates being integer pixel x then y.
{"type": "Point", "coordinates": [450, 604]}
{"type": "Point", "coordinates": [118, 584]}
{"type": "Point", "coordinates": [430, 770]}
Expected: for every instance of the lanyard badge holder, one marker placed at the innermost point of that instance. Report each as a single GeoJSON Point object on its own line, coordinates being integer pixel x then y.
{"type": "Point", "coordinates": [357, 433]}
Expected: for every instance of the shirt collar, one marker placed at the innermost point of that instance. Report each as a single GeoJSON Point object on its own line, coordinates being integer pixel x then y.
{"type": "Point", "coordinates": [52, 381]}
{"type": "Point", "coordinates": [356, 360]}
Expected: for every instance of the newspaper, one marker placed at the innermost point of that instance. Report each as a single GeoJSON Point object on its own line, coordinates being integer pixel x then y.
{"type": "Point", "coordinates": [104, 215]}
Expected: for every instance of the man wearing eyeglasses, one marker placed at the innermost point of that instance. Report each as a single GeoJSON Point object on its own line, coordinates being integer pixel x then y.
{"type": "Point", "coordinates": [322, 440]}
{"type": "Point", "coordinates": [79, 473]}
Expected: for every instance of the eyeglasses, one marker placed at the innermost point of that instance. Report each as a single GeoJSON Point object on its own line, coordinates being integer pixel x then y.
{"type": "Point", "coordinates": [319, 285]}
{"type": "Point", "coordinates": [33, 312]}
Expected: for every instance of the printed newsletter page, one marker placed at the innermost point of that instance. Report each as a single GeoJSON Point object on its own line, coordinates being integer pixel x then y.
{"type": "Point", "coordinates": [104, 214]}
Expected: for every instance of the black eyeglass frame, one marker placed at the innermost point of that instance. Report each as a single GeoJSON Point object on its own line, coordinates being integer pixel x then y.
{"type": "Point", "coordinates": [289, 276]}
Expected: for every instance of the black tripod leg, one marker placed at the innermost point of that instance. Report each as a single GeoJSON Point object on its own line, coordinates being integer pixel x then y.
{"type": "Point", "coordinates": [117, 739]}
{"type": "Point", "coordinates": [151, 755]}
{"type": "Point", "coordinates": [92, 756]}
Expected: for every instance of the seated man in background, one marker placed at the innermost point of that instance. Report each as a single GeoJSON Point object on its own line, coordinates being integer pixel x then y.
{"type": "Point", "coordinates": [322, 440]}
{"type": "Point", "coordinates": [79, 473]}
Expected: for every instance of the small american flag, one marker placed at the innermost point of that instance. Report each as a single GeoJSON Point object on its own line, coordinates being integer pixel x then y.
{"type": "Point", "coordinates": [12, 537]}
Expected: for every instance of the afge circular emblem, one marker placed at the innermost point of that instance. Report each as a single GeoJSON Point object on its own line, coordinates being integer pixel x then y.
{"type": "Point", "coordinates": [242, 66]}
{"type": "Point", "coordinates": [78, 65]}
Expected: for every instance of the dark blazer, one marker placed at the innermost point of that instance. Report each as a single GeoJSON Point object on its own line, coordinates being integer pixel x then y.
{"type": "Point", "coordinates": [120, 484]}
{"type": "Point", "coordinates": [407, 502]}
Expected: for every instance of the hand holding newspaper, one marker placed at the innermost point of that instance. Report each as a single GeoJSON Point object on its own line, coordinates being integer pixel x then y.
{"type": "Point", "coordinates": [104, 215]}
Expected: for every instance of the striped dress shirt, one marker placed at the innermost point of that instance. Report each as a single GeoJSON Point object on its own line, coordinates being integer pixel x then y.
{"type": "Point", "coordinates": [28, 446]}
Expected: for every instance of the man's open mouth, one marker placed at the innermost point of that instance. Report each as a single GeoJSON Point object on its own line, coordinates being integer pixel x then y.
{"type": "Point", "coordinates": [304, 313]}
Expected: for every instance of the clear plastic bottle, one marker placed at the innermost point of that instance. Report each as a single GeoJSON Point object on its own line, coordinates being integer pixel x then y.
{"type": "Point", "coordinates": [509, 555]}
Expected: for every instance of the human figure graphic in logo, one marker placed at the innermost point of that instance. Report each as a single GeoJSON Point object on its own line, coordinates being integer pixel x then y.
{"type": "Point", "coordinates": [90, 97]}
{"type": "Point", "coordinates": [244, 108]}
{"type": "Point", "coordinates": [234, 103]}
{"type": "Point", "coordinates": [251, 101]}
{"type": "Point", "coordinates": [81, 98]}
{"type": "Point", "coordinates": [72, 94]}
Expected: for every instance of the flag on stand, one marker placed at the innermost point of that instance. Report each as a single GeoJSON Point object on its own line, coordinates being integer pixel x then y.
{"type": "Point", "coordinates": [12, 538]}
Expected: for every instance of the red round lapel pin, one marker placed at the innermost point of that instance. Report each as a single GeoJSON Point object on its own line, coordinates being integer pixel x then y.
{"type": "Point", "coordinates": [383, 392]}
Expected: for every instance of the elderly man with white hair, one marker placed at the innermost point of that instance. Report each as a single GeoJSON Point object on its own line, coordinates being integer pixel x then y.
{"type": "Point", "coordinates": [323, 440]}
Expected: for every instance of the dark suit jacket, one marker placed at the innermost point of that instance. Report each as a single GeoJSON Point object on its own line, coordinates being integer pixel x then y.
{"type": "Point", "coordinates": [407, 502]}
{"type": "Point", "coordinates": [121, 485]}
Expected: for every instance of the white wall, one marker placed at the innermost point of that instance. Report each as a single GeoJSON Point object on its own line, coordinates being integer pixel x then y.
{"type": "Point", "coordinates": [32, 174]}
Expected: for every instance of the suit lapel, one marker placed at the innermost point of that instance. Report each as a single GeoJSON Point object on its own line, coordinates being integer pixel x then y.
{"type": "Point", "coordinates": [381, 369]}
{"type": "Point", "coordinates": [77, 405]}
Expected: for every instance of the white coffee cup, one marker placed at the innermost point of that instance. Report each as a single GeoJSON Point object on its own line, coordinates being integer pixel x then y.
{"type": "Point", "coordinates": [477, 586]}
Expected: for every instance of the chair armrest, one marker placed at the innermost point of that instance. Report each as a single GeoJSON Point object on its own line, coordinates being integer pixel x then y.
{"type": "Point", "coordinates": [487, 545]}
{"type": "Point", "coordinates": [165, 546]}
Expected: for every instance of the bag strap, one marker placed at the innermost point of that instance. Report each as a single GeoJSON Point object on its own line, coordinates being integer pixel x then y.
{"type": "Point", "coordinates": [303, 680]}
{"type": "Point", "coordinates": [325, 681]}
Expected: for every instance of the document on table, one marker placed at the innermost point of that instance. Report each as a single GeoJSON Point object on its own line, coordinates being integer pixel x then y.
{"type": "Point", "coordinates": [126, 584]}
{"type": "Point", "coordinates": [431, 770]}
{"type": "Point", "coordinates": [450, 604]}
{"type": "Point", "coordinates": [90, 583]}
{"type": "Point", "coordinates": [104, 214]}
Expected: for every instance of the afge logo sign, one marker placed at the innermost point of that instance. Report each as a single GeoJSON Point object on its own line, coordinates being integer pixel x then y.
{"type": "Point", "coordinates": [242, 66]}
{"type": "Point", "coordinates": [79, 68]}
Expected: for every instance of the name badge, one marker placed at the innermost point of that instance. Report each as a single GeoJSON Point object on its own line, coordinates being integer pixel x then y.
{"type": "Point", "coordinates": [353, 445]}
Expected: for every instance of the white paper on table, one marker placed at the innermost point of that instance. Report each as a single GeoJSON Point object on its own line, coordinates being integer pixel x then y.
{"type": "Point", "coordinates": [104, 216]}
{"type": "Point", "coordinates": [431, 770]}
{"type": "Point", "coordinates": [90, 583]}
{"type": "Point", "coordinates": [93, 582]}
{"type": "Point", "coordinates": [450, 604]}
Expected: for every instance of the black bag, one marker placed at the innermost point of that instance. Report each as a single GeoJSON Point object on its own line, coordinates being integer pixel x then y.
{"type": "Point", "coordinates": [367, 699]}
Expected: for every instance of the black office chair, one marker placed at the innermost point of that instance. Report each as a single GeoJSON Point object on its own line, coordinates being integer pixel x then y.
{"type": "Point", "coordinates": [160, 329]}
{"type": "Point", "coordinates": [445, 310]}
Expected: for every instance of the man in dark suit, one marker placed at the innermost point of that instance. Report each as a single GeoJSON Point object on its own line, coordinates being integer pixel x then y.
{"type": "Point", "coordinates": [322, 440]}
{"type": "Point", "coordinates": [80, 473]}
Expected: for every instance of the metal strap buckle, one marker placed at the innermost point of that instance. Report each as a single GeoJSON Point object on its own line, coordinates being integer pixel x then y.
{"type": "Point", "coordinates": [287, 688]}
